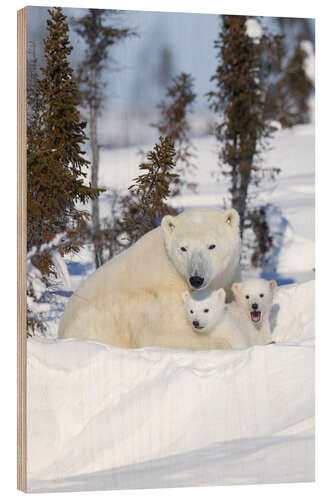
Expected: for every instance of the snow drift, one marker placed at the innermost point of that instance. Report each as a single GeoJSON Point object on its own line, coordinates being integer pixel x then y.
{"type": "Point", "coordinates": [101, 417]}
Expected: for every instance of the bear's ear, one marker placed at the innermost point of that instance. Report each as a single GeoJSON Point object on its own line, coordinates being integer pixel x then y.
{"type": "Point", "coordinates": [185, 295]}
{"type": "Point", "coordinates": [235, 288]}
{"type": "Point", "coordinates": [221, 294]}
{"type": "Point", "coordinates": [272, 285]}
{"type": "Point", "coordinates": [231, 218]}
{"type": "Point", "coordinates": [168, 224]}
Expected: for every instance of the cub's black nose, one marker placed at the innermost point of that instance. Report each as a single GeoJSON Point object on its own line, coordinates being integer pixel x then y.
{"type": "Point", "coordinates": [254, 307]}
{"type": "Point", "coordinates": [196, 324]}
{"type": "Point", "coordinates": [196, 281]}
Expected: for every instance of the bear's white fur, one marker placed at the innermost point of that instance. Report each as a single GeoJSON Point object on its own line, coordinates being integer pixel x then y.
{"type": "Point", "coordinates": [252, 307]}
{"type": "Point", "coordinates": [134, 300]}
{"type": "Point", "coordinates": [207, 314]}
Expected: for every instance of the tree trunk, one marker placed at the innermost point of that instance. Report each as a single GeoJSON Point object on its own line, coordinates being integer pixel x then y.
{"type": "Point", "coordinates": [240, 178]}
{"type": "Point", "coordinates": [240, 184]}
{"type": "Point", "coordinates": [243, 189]}
{"type": "Point", "coordinates": [96, 230]}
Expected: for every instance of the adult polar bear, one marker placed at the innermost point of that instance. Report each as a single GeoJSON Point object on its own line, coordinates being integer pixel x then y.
{"type": "Point", "coordinates": [135, 299]}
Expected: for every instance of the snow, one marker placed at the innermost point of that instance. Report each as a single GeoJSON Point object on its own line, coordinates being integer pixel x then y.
{"type": "Point", "coordinates": [101, 417]}
{"type": "Point", "coordinates": [48, 302]}
{"type": "Point", "coordinates": [253, 28]}
{"type": "Point", "coordinates": [310, 67]}
{"type": "Point", "coordinates": [61, 269]}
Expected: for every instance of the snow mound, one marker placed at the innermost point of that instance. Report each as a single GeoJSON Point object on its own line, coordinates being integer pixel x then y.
{"type": "Point", "coordinates": [297, 252]}
{"type": "Point", "coordinates": [293, 313]}
{"type": "Point", "coordinates": [101, 417]}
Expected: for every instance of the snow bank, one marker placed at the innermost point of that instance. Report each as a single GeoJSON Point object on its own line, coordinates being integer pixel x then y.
{"type": "Point", "coordinates": [101, 417]}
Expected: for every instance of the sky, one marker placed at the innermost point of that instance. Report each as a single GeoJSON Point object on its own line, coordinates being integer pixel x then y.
{"type": "Point", "coordinates": [188, 37]}
{"type": "Point", "coordinates": [133, 81]}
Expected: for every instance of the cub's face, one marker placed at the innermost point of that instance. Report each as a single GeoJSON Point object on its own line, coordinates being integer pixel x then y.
{"type": "Point", "coordinates": [255, 297]}
{"type": "Point", "coordinates": [204, 308]}
{"type": "Point", "coordinates": [201, 244]}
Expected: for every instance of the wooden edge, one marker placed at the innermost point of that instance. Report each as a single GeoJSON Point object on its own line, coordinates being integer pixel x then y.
{"type": "Point", "coordinates": [21, 250]}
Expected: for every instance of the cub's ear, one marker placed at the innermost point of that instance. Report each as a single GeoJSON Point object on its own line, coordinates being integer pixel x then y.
{"type": "Point", "coordinates": [221, 294]}
{"type": "Point", "coordinates": [168, 224]}
{"type": "Point", "coordinates": [272, 285]}
{"type": "Point", "coordinates": [185, 295]}
{"type": "Point", "coordinates": [235, 288]}
{"type": "Point", "coordinates": [231, 218]}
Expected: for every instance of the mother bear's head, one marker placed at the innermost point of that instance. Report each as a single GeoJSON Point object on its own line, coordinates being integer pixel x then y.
{"type": "Point", "coordinates": [202, 243]}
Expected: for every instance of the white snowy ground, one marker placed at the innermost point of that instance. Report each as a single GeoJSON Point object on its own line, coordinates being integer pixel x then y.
{"type": "Point", "coordinates": [101, 417]}
{"type": "Point", "coordinates": [240, 417]}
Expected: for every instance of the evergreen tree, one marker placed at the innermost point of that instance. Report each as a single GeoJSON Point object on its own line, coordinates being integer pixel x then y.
{"type": "Point", "coordinates": [287, 99]}
{"type": "Point", "coordinates": [296, 28]}
{"type": "Point", "coordinates": [164, 67]}
{"type": "Point", "coordinates": [33, 96]}
{"type": "Point", "coordinates": [239, 100]}
{"type": "Point", "coordinates": [174, 123]}
{"type": "Point", "coordinates": [146, 204]}
{"type": "Point", "coordinates": [114, 238]}
{"type": "Point", "coordinates": [56, 166]}
{"type": "Point", "coordinates": [263, 238]}
{"type": "Point", "coordinates": [99, 35]}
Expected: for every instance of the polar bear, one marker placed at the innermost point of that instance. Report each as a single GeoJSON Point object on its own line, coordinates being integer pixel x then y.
{"type": "Point", "coordinates": [251, 309]}
{"type": "Point", "coordinates": [207, 314]}
{"type": "Point", "coordinates": [134, 300]}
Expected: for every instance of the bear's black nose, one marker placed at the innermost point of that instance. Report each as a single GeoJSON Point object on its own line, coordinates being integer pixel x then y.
{"type": "Point", "coordinates": [196, 324]}
{"type": "Point", "coordinates": [196, 281]}
{"type": "Point", "coordinates": [254, 307]}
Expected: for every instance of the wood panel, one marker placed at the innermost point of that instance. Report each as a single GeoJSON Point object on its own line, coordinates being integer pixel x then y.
{"type": "Point", "coordinates": [21, 249]}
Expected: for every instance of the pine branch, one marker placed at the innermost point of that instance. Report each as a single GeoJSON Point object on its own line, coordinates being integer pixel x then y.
{"type": "Point", "coordinates": [150, 190]}
{"type": "Point", "coordinates": [174, 123]}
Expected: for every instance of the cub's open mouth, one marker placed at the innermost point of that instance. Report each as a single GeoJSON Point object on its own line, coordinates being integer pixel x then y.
{"type": "Point", "coordinates": [256, 316]}
{"type": "Point", "coordinates": [199, 327]}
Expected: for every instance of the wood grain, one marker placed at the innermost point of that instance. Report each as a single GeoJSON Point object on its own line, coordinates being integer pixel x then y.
{"type": "Point", "coordinates": [21, 249]}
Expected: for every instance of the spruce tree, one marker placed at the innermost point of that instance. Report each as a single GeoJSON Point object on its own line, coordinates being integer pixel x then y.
{"type": "Point", "coordinates": [239, 101]}
{"type": "Point", "coordinates": [56, 166]}
{"type": "Point", "coordinates": [33, 96]}
{"type": "Point", "coordinates": [174, 123]}
{"type": "Point", "coordinates": [99, 34]}
{"type": "Point", "coordinates": [263, 241]}
{"type": "Point", "coordinates": [287, 99]}
{"type": "Point", "coordinates": [114, 240]}
{"type": "Point", "coordinates": [147, 202]}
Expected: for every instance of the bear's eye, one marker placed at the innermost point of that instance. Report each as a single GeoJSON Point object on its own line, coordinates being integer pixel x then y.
{"type": "Point", "coordinates": [211, 247]}
{"type": "Point", "coordinates": [191, 311]}
{"type": "Point", "coordinates": [183, 249]}
{"type": "Point", "coordinates": [261, 295]}
{"type": "Point", "coordinates": [247, 296]}
{"type": "Point", "coordinates": [206, 310]}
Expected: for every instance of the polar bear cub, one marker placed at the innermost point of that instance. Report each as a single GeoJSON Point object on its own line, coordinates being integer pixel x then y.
{"type": "Point", "coordinates": [207, 313]}
{"type": "Point", "coordinates": [251, 309]}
